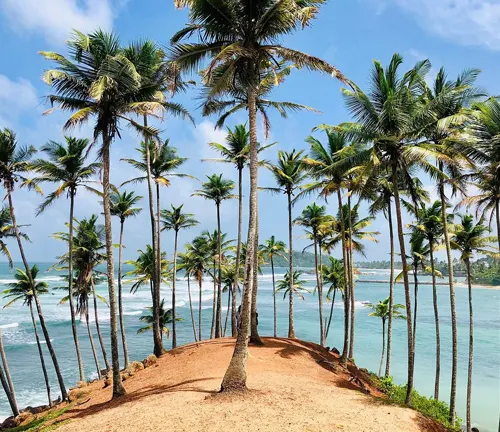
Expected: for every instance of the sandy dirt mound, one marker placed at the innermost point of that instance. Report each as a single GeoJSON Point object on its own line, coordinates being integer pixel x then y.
{"type": "Point", "coordinates": [294, 386]}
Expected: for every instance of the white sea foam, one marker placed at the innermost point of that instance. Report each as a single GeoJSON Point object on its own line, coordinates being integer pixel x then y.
{"type": "Point", "coordinates": [136, 312]}
{"type": "Point", "coordinates": [10, 325]}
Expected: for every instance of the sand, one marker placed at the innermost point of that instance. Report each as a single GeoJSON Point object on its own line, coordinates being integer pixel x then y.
{"type": "Point", "coordinates": [294, 386]}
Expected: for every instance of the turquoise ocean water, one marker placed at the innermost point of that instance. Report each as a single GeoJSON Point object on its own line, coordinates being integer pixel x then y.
{"type": "Point", "coordinates": [28, 379]}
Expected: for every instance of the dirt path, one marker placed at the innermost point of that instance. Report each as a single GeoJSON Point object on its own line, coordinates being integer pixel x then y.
{"type": "Point", "coordinates": [293, 388]}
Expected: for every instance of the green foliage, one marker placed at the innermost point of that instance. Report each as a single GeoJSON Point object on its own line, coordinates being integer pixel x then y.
{"type": "Point", "coordinates": [430, 407]}
{"type": "Point", "coordinates": [36, 425]}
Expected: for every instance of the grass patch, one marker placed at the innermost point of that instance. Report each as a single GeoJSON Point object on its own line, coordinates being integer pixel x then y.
{"type": "Point", "coordinates": [37, 424]}
{"type": "Point", "coordinates": [434, 409]}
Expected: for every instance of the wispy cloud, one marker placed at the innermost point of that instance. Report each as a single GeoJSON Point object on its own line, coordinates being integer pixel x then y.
{"type": "Point", "coordinates": [15, 96]}
{"type": "Point", "coordinates": [55, 19]}
{"type": "Point", "coordinates": [468, 22]}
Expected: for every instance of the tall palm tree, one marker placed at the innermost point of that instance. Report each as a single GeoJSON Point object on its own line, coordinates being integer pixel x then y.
{"type": "Point", "coordinates": [6, 380]}
{"type": "Point", "coordinates": [381, 310]}
{"type": "Point", "coordinates": [332, 275]}
{"type": "Point", "coordinates": [469, 238]}
{"type": "Point", "coordinates": [289, 173]}
{"type": "Point", "coordinates": [176, 220]}
{"type": "Point", "coordinates": [252, 35]}
{"type": "Point", "coordinates": [390, 116]}
{"type": "Point", "coordinates": [166, 318]}
{"type": "Point", "coordinates": [21, 290]}
{"type": "Point", "coordinates": [66, 165]}
{"type": "Point", "coordinates": [429, 223]}
{"type": "Point", "coordinates": [99, 81]}
{"type": "Point", "coordinates": [217, 189]}
{"type": "Point", "coordinates": [270, 249]}
{"type": "Point", "coordinates": [14, 163]}
{"type": "Point", "coordinates": [187, 262]}
{"type": "Point", "coordinates": [122, 205]}
{"type": "Point", "coordinates": [312, 217]}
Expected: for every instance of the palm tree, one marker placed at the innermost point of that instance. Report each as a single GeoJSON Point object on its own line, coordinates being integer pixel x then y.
{"type": "Point", "coordinates": [390, 117]}
{"type": "Point", "coordinates": [143, 270]}
{"type": "Point", "coordinates": [99, 81]}
{"type": "Point", "coordinates": [289, 173]}
{"type": "Point", "coordinates": [298, 285]}
{"type": "Point", "coordinates": [252, 35]}
{"type": "Point", "coordinates": [7, 231]}
{"type": "Point", "coordinates": [187, 262]}
{"type": "Point", "coordinates": [21, 290]}
{"type": "Point", "coordinates": [228, 278]}
{"type": "Point", "coordinates": [430, 224]}
{"type": "Point", "coordinates": [122, 205]}
{"type": "Point", "coordinates": [176, 220]}
{"type": "Point", "coordinates": [166, 318]}
{"type": "Point", "coordinates": [6, 380]}
{"type": "Point", "coordinates": [333, 275]}
{"type": "Point", "coordinates": [469, 239]}
{"type": "Point", "coordinates": [66, 166]}
{"type": "Point", "coordinates": [218, 190]}
{"type": "Point", "coordinates": [381, 310]}
{"type": "Point", "coordinates": [312, 217]}
{"type": "Point", "coordinates": [270, 249]}
{"type": "Point", "coordinates": [14, 162]}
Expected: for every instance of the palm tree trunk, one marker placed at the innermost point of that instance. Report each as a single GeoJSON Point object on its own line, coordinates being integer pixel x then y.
{"type": "Point", "coordinates": [391, 291]}
{"type": "Point", "coordinates": [254, 316]}
{"type": "Point", "coordinates": [7, 383]}
{"type": "Point", "coordinates": [346, 279]}
{"type": "Point", "coordinates": [6, 380]}
{"type": "Point", "coordinates": [91, 339]}
{"type": "Point", "coordinates": [274, 297]}
{"type": "Point", "coordinates": [120, 302]}
{"type": "Point", "coordinates": [218, 315]}
{"type": "Point", "coordinates": [291, 329]}
{"type": "Point", "coordinates": [436, 319]}
{"type": "Point", "coordinates": [157, 337]}
{"type": "Point", "coordinates": [471, 347]}
{"type": "Point", "coordinates": [200, 282]}
{"type": "Point", "coordinates": [191, 308]}
{"type": "Point", "coordinates": [214, 301]}
{"type": "Point", "coordinates": [383, 349]}
{"type": "Point", "coordinates": [409, 321]}
{"type": "Point", "coordinates": [320, 255]}
{"type": "Point", "coordinates": [351, 281]}
{"type": "Point", "coordinates": [454, 334]}
{"type": "Point", "coordinates": [228, 311]}
{"type": "Point", "coordinates": [40, 353]}
{"type": "Point", "coordinates": [98, 328]}
{"type": "Point", "coordinates": [234, 325]}
{"type": "Point", "coordinates": [320, 294]}
{"type": "Point", "coordinates": [64, 393]}
{"type": "Point", "coordinates": [70, 288]}
{"type": "Point", "coordinates": [174, 277]}
{"type": "Point", "coordinates": [415, 288]}
{"type": "Point", "coordinates": [331, 314]}
{"type": "Point", "coordinates": [497, 211]}
{"type": "Point", "coordinates": [118, 389]}
{"type": "Point", "coordinates": [235, 376]}
{"type": "Point", "coordinates": [158, 261]}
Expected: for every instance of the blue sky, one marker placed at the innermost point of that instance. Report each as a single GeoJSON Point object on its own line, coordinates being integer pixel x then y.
{"type": "Point", "coordinates": [458, 34]}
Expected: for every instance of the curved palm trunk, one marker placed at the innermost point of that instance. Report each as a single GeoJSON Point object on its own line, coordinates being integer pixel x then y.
{"type": "Point", "coordinates": [471, 347]}
{"type": "Point", "coordinates": [118, 389]}
{"type": "Point", "coordinates": [274, 297]}
{"type": "Point", "coordinates": [157, 337]}
{"type": "Point", "coordinates": [436, 320]}
{"type": "Point", "coordinates": [91, 339]}
{"type": "Point", "coordinates": [454, 334]}
{"type": "Point", "coordinates": [41, 318]}
{"type": "Point", "coordinates": [351, 281]}
{"type": "Point", "coordinates": [120, 302]}
{"type": "Point", "coordinates": [320, 255]}
{"type": "Point", "coordinates": [218, 315]}
{"type": "Point", "coordinates": [235, 377]}
{"type": "Point", "coordinates": [320, 295]}
{"type": "Point", "coordinates": [331, 315]}
{"type": "Point", "coordinates": [214, 301]}
{"type": "Point", "coordinates": [200, 282]}
{"type": "Point", "coordinates": [497, 211]}
{"type": "Point", "coordinates": [415, 288]}
{"type": "Point", "coordinates": [391, 291]}
{"type": "Point", "coordinates": [291, 328]}
{"type": "Point", "coordinates": [228, 311]}
{"type": "Point", "coordinates": [6, 380]}
{"type": "Point", "coordinates": [191, 308]}
{"type": "Point", "coordinates": [98, 328]}
{"type": "Point", "coordinates": [346, 279]}
{"type": "Point", "coordinates": [174, 277]}
{"type": "Point", "coordinates": [234, 325]}
{"type": "Point", "coordinates": [40, 353]}
{"type": "Point", "coordinates": [409, 321]}
{"type": "Point", "coordinates": [254, 316]}
{"type": "Point", "coordinates": [70, 288]}
{"type": "Point", "coordinates": [383, 349]}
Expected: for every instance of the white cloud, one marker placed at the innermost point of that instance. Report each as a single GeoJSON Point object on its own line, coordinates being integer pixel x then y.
{"type": "Point", "coordinates": [56, 18]}
{"type": "Point", "coordinates": [469, 22]}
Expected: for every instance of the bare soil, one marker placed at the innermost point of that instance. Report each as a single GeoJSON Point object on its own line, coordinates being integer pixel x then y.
{"type": "Point", "coordinates": [293, 386]}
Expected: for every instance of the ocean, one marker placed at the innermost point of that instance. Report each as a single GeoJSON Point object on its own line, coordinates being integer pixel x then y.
{"type": "Point", "coordinates": [28, 380]}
